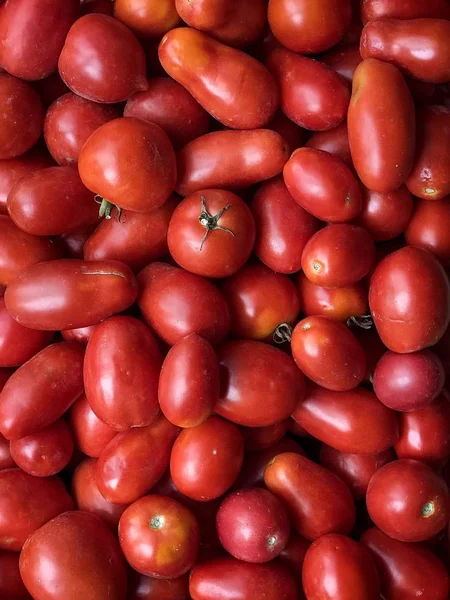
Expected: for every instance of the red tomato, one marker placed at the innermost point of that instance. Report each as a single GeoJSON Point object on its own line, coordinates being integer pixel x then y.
{"type": "Point", "coordinates": [80, 335]}
{"type": "Point", "coordinates": [292, 134]}
{"type": "Point", "coordinates": [11, 584]}
{"type": "Point", "coordinates": [90, 434]}
{"type": "Point", "coordinates": [5, 374]}
{"type": "Point", "coordinates": [293, 557]}
{"type": "Point", "coordinates": [408, 501]}
{"type": "Point", "coordinates": [96, 6]}
{"type": "Point", "coordinates": [259, 438]}
{"type": "Point", "coordinates": [429, 226]}
{"type": "Point", "coordinates": [6, 460]}
{"type": "Point", "coordinates": [149, 20]}
{"type": "Point", "coordinates": [386, 215]}
{"type": "Point", "coordinates": [72, 242]}
{"type": "Point", "coordinates": [334, 141]}
{"type": "Point", "coordinates": [344, 60]}
{"type": "Point", "coordinates": [73, 556]}
{"type": "Point", "coordinates": [141, 587]}
{"type": "Point", "coordinates": [403, 9]}
{"type": "Point", "coordinates": [189, 382]}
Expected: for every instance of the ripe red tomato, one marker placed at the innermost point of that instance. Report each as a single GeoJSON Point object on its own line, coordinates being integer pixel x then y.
{"type": "Point", "coordinates": [293, 557]}
{"type": "Point", "coordinates": [90, 434]}
{"type": "Point", "coordinates": [6, 460]}
{"type": "Point", "coordinates": [406, 9]}
{"type": "Point", "coordinates": [80, 335]}
{"type": "Point", "coordinates": [334, 141]}
{"type": "Point", "coordinates": [344, 59]}
{"type": "Point", "coordinates": [386, 215]}
{"type": "Point", "coordinates": [428, 228]}
{"type": "Point", "coordinates": [292, 134]}
{"type": "Point", "coordinates": [259, 438]}
{"type": "Point", "coordinates": [11, 584]}
{"type": "Point", "coordinates": [72, 242]}
{"type": "Point", "coordinates": [150, 20]}
{"type": "Point", "coordinates": [141, 587]}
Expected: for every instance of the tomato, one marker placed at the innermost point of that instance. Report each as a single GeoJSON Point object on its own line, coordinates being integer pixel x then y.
{"type": "Point", "coordinates": [408, 381]}
{"type": "Point", "coordinates": [428, 228]}
{"type": "Point", "coordinates": [82, 556]}
{"type": "Point", "coordinates": [403, 9]}
{"type": "Point", "coordinates": [292, 134]}
{"type": "Point", "coordinates": [338, 568]}
{"type": "Point", "coordinates": [309, 27]}
{"type": "Point", "coordinates": [355, 422]}
{"type": "Point", "coordinates": [334, 141]}
{"type": "Point", "coordinates": [102, 60]}
{"type": "Point", "coordinates": [409, 298]}
{"type": "Point", "coordinates": [353, 259]}
{"type": "Point", "coordinates": [26, 503]}
{"type": "Point", "coordinates": [343, 60]}
{"type": "Point", "coordinates": [67, 294]}
{"type": "Point", "coordinates": [406, 570]}
{"type": "Point", "coordinates": [233, 87]}
{"type": "Point", "coordinates": [96, 6]}
{"type": "Point", "coordinates": [90, 434]}
{"type": "Point", "coordinates": [228, 577]}
{"type": "Point", "coordinates": [5, 374]}
{"type": "Point", "coordinates": [11, 584]}
{"type": "Point", "coordinates": [169, 105]}
{"type": "Point", "coordinates": [408, 501]}
{"type": "Point", "coordinates": [151, 19]}
{"type": "Point", "coordinates": [6, 460]}
{"type": "Point", "coordinates": [41, 390]}
{"type": "Point", "coordinates": [211, 233]}
{"type": "Point", "coordinates": [293, 557]}
{"type": "Point", "coordinates": [176, 303]}
{"type": "Point", "coordinates": [283, 227]}
{"type": "Point", "coordinates": [386, 215]}
{"type": "Point", "coordinates": [216, 160]}
{"type": "Point", "coordinates": [80, 335]}
{"type": "Point", "coordinates": [134, 460]}
{"type": "Point", "coordinates": [206, 459]}
{"type": "Point", "coordinates": [69, 122]}
{"type": "Point", "coordinates": [189, 382]}
{"type": "Point", "coordinates": [259, 438]}
{"type": "Point", "coordinates": [141, 587]}
{"type": "Point", "coordinates": [72, 242]}
{"type": "Point", "coordinates": [260, 384]}
{"type": "Point", "coordinates": [382, 110]}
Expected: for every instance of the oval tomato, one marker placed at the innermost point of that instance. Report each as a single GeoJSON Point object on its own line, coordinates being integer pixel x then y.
{"type": "Point", "coordinates": [80, 335]}
{"type": "Point", "coordinates": [150, 20]}
{"type": "Point", "coordinates": [386, 215]}
{"type": "Point", "coordinates": [292, 134]}
{"type": "Point", "coordinates": [141, 587]}
{"type": "Point", "coordinates": [6, 460]}
{"type": "Point", "coordinates": [90, 434]}
{"type": "Point", "coordinates": [428, 228]}
{"type": "Point", "coordinates": [406, 9]}
{"type": "Point", "coordinates": [344, 60]}
{"type": "Point", "coordinates": [334, 141]}
{"type": "Point", "coordinates": [72, 242]}
{"type": "Point", "coordinates": [259, 438]}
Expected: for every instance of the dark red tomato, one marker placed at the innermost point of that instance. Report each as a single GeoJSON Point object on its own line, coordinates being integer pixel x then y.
{"type": "Point", "coordinates": [408, 381]}
{"type": "Point", "coordinates": [386, 215]}
{"type": "Point", "coordinates": [189, 382]}
{"type": "Point", "coordinates": [323, 185]}
{"type": "Point", "coordinates": [355, 422]}
{"type": "Point", "coordinates": [283, 227]}
{"type": "Point", "coordinates": [90, 434]}
{"type": "Point", "coordinates": [134, 460]}
{"type": "Point", "coordinates": [6, 460]}
{"type": "Point", "coordinates": [171, 106]}
{"type": "Point", "coordinates": [343, 60]}
{"type": "Point", "coordinates": [338, 255]}
{"type": "Point", "coordinates": [69, 122]}
{"type": "Point", "coordinates": [5, 374]}
{"type": "Point", "coordinates": [41, 390]}
{"type": "Point", "coordinates": [159, 536]}
{"type": "Point", "coordinates": [11, 584]}
{"type": "Point", "coordinates": [403, 9]}
{"type": "Point", "coordinates": [408, 501]}
{"type": "Point", "coordinates": [429, 226]}
{"type": "Point", "coordinates": [328, 353]}
{"type": "Point", "coordinates": [141, 587]}
{"type": "Point", "coordinates": [355, 470]}
{"type": "Point", "coordinates": [292, 134]}
{"type": "Point", "coordinates": [317, 501]}
{"type": "Point", "coordinates": [293, 557]}
{"type": "Point", "coordinates": [26, 503]}
{"type": "Point", "coordinates": [260, 385]}
{"type": "Point", "coordinates": [407, 571]}
{"type": "Point", "coordinates": [253, 525]}
{"type": "Point", "coordinates": [149, 20]}
{"type": "Point", "coordinates": [228, 577]}
{"type": "Point", "coordinates": [22, 115]}
{"type": "Point", "coordinates": [80, 335]}
{"type": "Point", "coordinates": [102, 60]}
{"type": "Point", "coordinates": [334, 141]}
{"type": "Point", "coordinates": [338, 568]}
{"type": "Point", "coordinates": [382, 110]}
{"type": "Point", "coordinates": [312, 94]}
{"type": "Point", "coordinates": [206, 459]}
{"type": "Point", "coordinates": [409, 299]}
{"type": "Point", "coordinates": [211, 233]}
{"type": "Point", "coordinates": [260, 438]}
{"type": "Point", "coordinates": [297, 429]}
{"type": "Point", "coordinates": [50, 89]}
{"type": "Point", "coordinates": [105, 7]}
{"type": "Point", "coordinates": [72, 242]}
{"type": "Point", "coordinates": [259, 301]}
{"type": "Point", "coordinates": [442, 349]}
{"type": "Point", "coordinates": [309, 27]}
{"type": "Point", "coordinates": [74, 556]}
{"type": "Point", "coordinates": [176, 303]}
{"type": "Point", "coordinates": [67, 294]}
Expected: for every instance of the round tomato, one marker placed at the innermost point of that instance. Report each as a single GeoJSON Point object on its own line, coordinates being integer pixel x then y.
{"type": "Point", "coordinates": [149, 20]}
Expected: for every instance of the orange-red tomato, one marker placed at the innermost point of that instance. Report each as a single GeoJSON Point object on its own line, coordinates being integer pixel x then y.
{"type": "Point", "coordinates": [150, 19]}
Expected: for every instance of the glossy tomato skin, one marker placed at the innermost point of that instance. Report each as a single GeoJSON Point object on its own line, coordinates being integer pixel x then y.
{"type": "Point", "coordinates": [82, 556]}
{"type": "Point", "coordinates": [27, 503]}
{"type": "Point", "coordinates": [80, 335]}
{"type": "Point", "coordinates": [259, 438]}
{"type": "Point", "coordinates": [233, 87]}
{"type": "Point", "coordinates": [338, 568]}
{"type": "Point", "coordinates": [386, 215]}
{"type": "Point", "coordinates": [355, 421]}
{"type": "Point", "coordinates": [216, 160]}
{"type": "Point", "coordinates": [11, 584]}
{"type": "Point", "coordinates": [405, 9]}
{"type": "Point", "coordinates": [334, 141]}
{"type": "Point", "coordinates": [67, 294]}
{"type": "Point", "coordinates": [141, 587]}
{"type": "Point", "coordinates": [260, 385]}
{"type": "Point", "coordinates": [408, 501]}
{"type": "Point", "coordinates": [166, 291]}
{"type": "Point", "coordinates": [293, 557]}
{"type": "Point", "coordinates": [6, 460]}
{"type": "Point", "coordinates": [149, 20]}
{"type": "Point", "coordinates": [428, 228]}
{"type": "Point", "coordinates": [104, 7]}
{"type": "Point", "coordinates": [189, 382]}
{"type": "Point", "coordinates": [125, 471]}
{"type": "Point", "coordinates": [382, 110]}
{"type": "Point", "coordinates": [406, 570]}
{"type": "Point", "coordinates": [206, 459]}
{"type": "Point", "coordinates": [72, 242]}
{"type": "Point", "coordinates": [53, 380]}
{"type": "Point", "coordinates": [409, 299]}
{"type": "Point", "coordinates": [292, 134]}
{"type": "Point", "coordinates": [90, 434]}
{"type": "Point", "coordinates": [344, 60]}
{"type": "Point", "coordinates": [5, 374]}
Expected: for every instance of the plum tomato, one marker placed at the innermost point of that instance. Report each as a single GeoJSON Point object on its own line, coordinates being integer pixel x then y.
{"type": "Point", "coordinates": [141, 587]}
{"type": "Point", "coordinates": [344, 60]}
{"type": "Point", "coordinates": [260, 438]}
{"type": "Point", "coordinates": [293, 135]}
{"type": "Point", "coordinates": [6, 460]}
{"type": "Point", "coordinates": [334, 141]}
{"type": "Point", "coordinates": [386, 215]}
{"type": "Point", "coordinates": [149, 20]}
{"type": "Point", "coordinates": [405, 9]}
{"type": "Point", "coordinates": [89, 433]}
{"type": "Point", "coordinates": [72, 242]}
{"type": "Point", "coordinates": [11, 584]}
{"type": "Point", "coordinates": [80, 335]}
{"type": "Point", "coordinates": [293, 557]}
{"type": "Point", "coordinates": [429, 226]}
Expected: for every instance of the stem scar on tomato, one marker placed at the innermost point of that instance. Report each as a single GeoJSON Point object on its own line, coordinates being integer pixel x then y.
{"type": "Point", "coordinates": [211, 222]}
{"type": "Point", "coordinates": [282, 333]}
{"type": "Point", "coordinates": [106, 208]}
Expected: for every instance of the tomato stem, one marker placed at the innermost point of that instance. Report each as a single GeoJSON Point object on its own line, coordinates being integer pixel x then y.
{"type": "Point", "coordinates": [364, 321]}
{"type": "Point", "coordinates": [106, 207]}
{"type": "Point", "coordinates": [282, 333]}
{"type": "Point", "coordinates": [211, 222]}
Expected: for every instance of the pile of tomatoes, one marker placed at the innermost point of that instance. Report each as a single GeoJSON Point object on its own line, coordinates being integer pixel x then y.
{"type": "Point", "coordinates": [224, 299]}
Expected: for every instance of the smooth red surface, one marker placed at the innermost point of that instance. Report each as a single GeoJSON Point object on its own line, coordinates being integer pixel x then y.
{"type": "Point", "coordinates": [428, 228]}
{"type": "Point", "coordinates": [403, 9]}
{"type": "Point", "coordinates": [149, 20]}
{"type": "Point", "coordinates": [141, 587]}
{"type": "Point", "coordinates": [90, 434]}
{"type": "Point", "coordinates": [344, 60]}
{"type": "Point", "coordinates": [335, 141]}
{"type": "Point", "coordinates": [386, 215]}
{"type": "Point", "coordinates": [11, 584]}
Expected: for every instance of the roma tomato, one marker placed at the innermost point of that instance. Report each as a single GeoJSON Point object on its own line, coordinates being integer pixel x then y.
{"type": "Point", "coordinates": [90, 434]}
{"type": "Point", "coordinates": [72, 242]}
{"type": "Point", "coordinates": [216, 160]}
{"type": "Point", "coordinates": [141, 587]}
{"type": "Point", "coordinates": [159, 536]}
{"type": "Point", "coordinates": [428, 228]}
{"type": "Point", "coordinates": [27, 503]}
{"type": "Point", "coordinates": [409, 299]}
{"type": "Point", "coordinates": [259, 438]}
{"type": "Point", "coordinates": [382, 110]}
{"type": "Point", "coordinates": [102, 60]}
{"type": "Point", "coordinates": [343, 60]}
{"type": "Point", "coordinates": [338, 568]}
{"type": "Point", "coordinates": [176, 303]}
{"type": "Point", "coordinates": [67, 294]}
{"type": "Point", "coordinates": [408, 501]}
{"type": "Point", "coordinates": [233, 87]}
{"type": "Point", "coordinates": [6, 460]}
{"type": "Point", "coordinates": [260, 384]}
{"type": "Point", "coordinates": [292, 134]}
{"type": "Point", "coordinates": [53, 380]}
{"type": "Point", "coordinates": [189, 382]}
{"type": "Point", "coordinates": [211, 233]}
{"type": "Point", "coordinates": [11, 584]}
{"type": "Point", "coordinates": [80, 335]}
{"type": "Point", "coordinates": [75, 555]}
{"type": "Point", "coordinates": [149, 20]}
{"type": "Point", "coordinates": [334, 141]}
{"type": "Point", "coordinates": [206, 459]}
{"type": "Point", "coordinates": [405, 9]}
{"type": "Point", "coordinates": [355, 421]}
{"type": "Point", "coordinates": [386, 215]}
{"type": "Point", "coordinates": [298, 482]}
